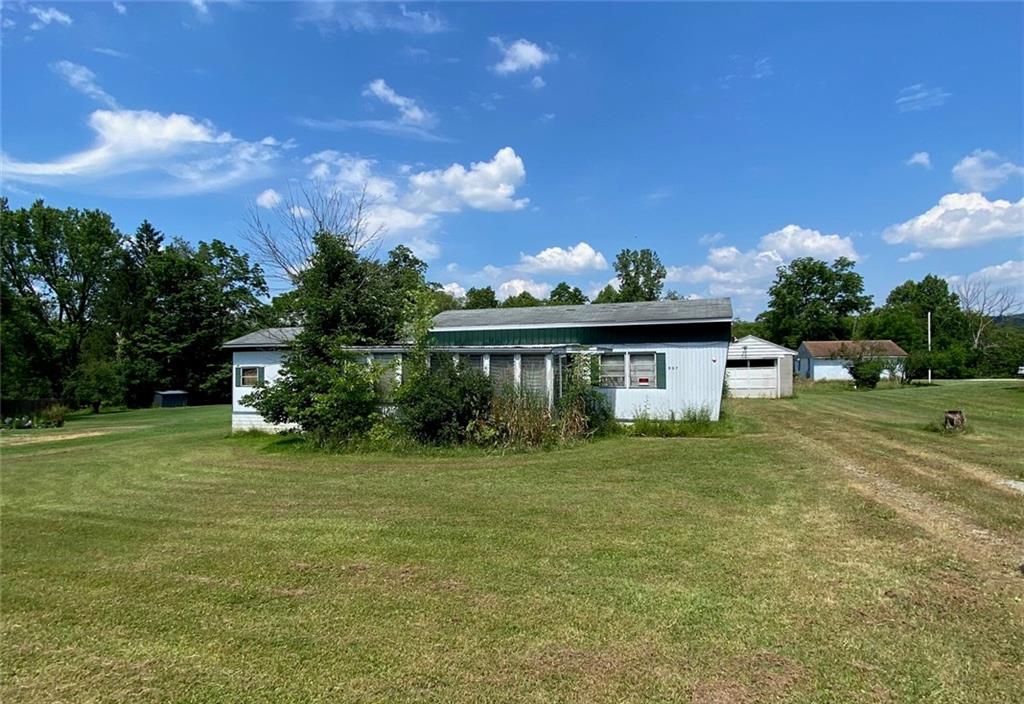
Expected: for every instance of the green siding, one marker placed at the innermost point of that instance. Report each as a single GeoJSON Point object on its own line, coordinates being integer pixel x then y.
{"type": "Point", "coordinates": [626, 334]}
{"type": "Point", "coordinates": [238, 376]}
{"type": "Point", "coordinates": [661, 370]}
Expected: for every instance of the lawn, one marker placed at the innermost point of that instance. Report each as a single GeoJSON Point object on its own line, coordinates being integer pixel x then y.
{"type": "Point", "coordinates": [840, 550]}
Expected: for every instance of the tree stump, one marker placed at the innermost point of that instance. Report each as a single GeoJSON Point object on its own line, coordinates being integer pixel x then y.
{"type": "Point", "coordinates": [955, 420]}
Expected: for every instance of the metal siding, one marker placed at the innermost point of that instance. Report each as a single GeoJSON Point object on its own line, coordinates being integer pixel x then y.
{"type": "Point", "coordinates": [632, 334]}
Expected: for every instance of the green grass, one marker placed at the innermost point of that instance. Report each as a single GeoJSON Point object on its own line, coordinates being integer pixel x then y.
{"type": "Point", "coordinates": [835, 550]}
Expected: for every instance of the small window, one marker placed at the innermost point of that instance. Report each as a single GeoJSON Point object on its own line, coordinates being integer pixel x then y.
{"type": "Point", "coordinates": [613, 371]}
{"type": "Point", "coordinates": [249, 376]}
{"type": "Point", "coordinates": [642, 371]}
{"type": "Point", "coordinates": [388, 362]}
{"type": "Point", "coordinates": [503, 370]}
{"type": "Point", "coordinates": [472, 361]}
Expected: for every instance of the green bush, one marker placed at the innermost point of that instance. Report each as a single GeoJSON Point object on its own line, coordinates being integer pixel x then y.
{"type": "Point", "coordinates": [866, 372]}
{"type": "Point", "coordinates": [332, 400]}
{"type": "Point", "coordinates": [583, 411]}
{"type": "Point", "coordinates": [443, 403]}
{"type": "Point", "coordinates": [53, 416]}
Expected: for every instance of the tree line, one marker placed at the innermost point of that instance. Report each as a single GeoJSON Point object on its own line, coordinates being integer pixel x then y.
{"type": "Point", "coordinates": [90, 315]}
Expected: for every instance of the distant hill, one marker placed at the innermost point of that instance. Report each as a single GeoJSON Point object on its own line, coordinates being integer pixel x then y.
{"type": "Point", "coordinates": [1016, 320]}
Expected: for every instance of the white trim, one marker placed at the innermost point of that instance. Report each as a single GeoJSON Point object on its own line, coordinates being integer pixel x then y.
{"type": "Point", "coordinates": [542, 326]}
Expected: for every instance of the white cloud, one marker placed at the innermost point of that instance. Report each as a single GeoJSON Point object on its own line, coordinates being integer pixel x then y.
{"type": "Point", "coordinates": [514, 287]}
{"type": "Point", "coordinates": [411, 113]}
{"type": "Point", "coordinates": [7, 23]}
{"type": "Point", "coordinates": [1009, 273]}
{"type": "Point", "coordinates": [763, 68]}
{"type": "Point", "coordinates": [371, 17]}
{"type": "Point", "coordinates": [920, 96]}
{"type": "Point", "coordinates": [574, 260]}
{"type": "Point", "coordinates": [268, 198]}
{"type": "Point", "coordinates": [547, 117]}
{"type": "Point", "coordinates": [537, 83]}
{"type": "Point", "coordinates": [711, 238]}
{"type": "Point", "coordinates": [485, 185]}
{"type": "Point", "coordinates": [299, 211]}
{"type": "Point", "coordinates": [110, 52]}
{"type": "Point", "coordinates": [120, 8]}
{"type": "Point", "coordinates": [412, 121]}
{"type": "Point", "coordinates": [45, 17]}
{"type": "Point", "coordinates": [920, 159]}
{"type": "Point", "coordinates": [984, 170]}
{"type": "Point", "coordinates": [520, 55]}
{"type": "Point", "coordinates": [454, 289]}
{"type": "Point", "coordinates": [193, 153]}
{"type": "Point", "coordinates": [200, 6]}
{"type": "Point", "coordinates": [729, 271]}
{"type": "Point", "coordinates": [913, 257]}
{"type": "Point", "coordinates": [960, 220]}
{"type": "Point", "coordinates": [84, 81]}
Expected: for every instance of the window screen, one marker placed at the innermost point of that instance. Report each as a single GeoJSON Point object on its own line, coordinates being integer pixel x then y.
{"type": "Point", "coordinates": [533, 375]}
{"type": "Point", "coordinates": [613, 370]}
{"type": "Point", "coordinates": [642, 371]}
{"type": "Point", "coordinates": [249, 376]}
{"type": "Point", "coordinates": [389, 377]}
{"type": "Point", "coordinates": [503, 369]}
{"type": "Point", "coordinates": [472, 361]}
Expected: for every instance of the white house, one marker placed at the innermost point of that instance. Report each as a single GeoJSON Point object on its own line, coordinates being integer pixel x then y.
{"type": "Point", "coordinates": [826, 360]}
{"type": "Point", "coordinates": [661, 357]}
{"type": "Point", "coordinates": [757, 368]}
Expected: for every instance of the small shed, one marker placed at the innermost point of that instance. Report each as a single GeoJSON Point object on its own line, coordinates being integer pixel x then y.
{"type": "Point", "coordinates": [826, 360]}
{"type": "Point", "coordinates": [170, 399]}
{"type": "Point", "coordinates": [757, 368]}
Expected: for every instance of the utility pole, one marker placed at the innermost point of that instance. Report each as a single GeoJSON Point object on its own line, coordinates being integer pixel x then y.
{"type": "Point", "coordinates": [929, 347]}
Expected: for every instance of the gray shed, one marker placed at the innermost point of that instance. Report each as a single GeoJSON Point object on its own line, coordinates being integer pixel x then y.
{"type": "Point", "coordinates": [170, 399]}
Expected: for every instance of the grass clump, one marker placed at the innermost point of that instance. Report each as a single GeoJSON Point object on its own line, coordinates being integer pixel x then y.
{"type": "Point", "coordinates": [696, 423]}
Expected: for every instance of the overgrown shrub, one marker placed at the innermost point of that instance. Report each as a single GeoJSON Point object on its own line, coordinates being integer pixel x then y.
{"type": "Point", "coordinates": [53, 416]}
{"type": "Point", "coordinates": [520, 418]}
{"type": "Point", "coordinates": [583, 411]}
{"type": "Point", "coordinates": [332, 400]}
{"type": "Point", "coordinates": [866, 372]}
{"type": "Point", "coordinates": [442, 403]}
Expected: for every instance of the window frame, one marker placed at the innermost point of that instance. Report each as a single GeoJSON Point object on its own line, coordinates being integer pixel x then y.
{"type": "Point", "coordinates": [253, 368]}
{"type": "Point", "coordinates": [652, 376]}
{"type": "Point", "coordinates": [602, 376]}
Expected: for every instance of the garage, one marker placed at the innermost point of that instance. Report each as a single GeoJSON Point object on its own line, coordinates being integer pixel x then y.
{"type": "Point", "coordinates": [756, 368]}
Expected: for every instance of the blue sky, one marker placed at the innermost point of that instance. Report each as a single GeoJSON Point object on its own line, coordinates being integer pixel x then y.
{"type": "Point", "coordinates": [518, 145]}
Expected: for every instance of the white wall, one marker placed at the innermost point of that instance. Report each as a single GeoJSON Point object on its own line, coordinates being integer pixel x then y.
{"type": "Point", "coordinates": [245, 417]}
{"type": "Point", "coordinates": [695, 373]}
{"type": "Point", "coordinates": [829, 370]}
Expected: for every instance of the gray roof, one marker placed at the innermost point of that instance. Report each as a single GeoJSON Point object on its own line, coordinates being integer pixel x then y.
{"type": "Point", "coordinates": [652, 312]}
{"type": "Point", "coordinates": [268, 337]}
{"type": "Point", "coordinates": [594, 314]}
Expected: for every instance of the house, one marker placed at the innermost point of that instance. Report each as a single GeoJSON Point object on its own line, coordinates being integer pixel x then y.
{"type": "Point", "coordinates": [826, 360]}
{"type": "Point", "coordinates": [661, 357]}
{"type": "Point", "coordinates": [757, 368]}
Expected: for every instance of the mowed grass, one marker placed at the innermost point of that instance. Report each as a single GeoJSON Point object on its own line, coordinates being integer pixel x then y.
{"type": "Point", "coordinates": [839, 551]}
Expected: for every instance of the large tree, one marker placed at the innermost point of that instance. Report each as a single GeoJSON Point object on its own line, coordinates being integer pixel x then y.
{"type": "Point", "coordinates": [565, 295]}
{"type": "Point", "coordinates": [607, 295]}
{"type": "Point", "coordinates": [641, 275]}
{"type": "Point", "coordinates": [481, 298]}
{"type": "Point", "coordinates": [813, 300]}
{"type": "Point", "coordinates": [55, 264]}
{"type": "Point", "coordinates": [524, 299]}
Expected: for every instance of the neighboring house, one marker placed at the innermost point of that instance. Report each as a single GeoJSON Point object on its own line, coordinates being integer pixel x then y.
{"type": "Point", "coordinates": [827, 360]}
{"type": "Point", "coordinates": [759, 369]}
{"type": "Point", "coordinates": [662, 357]}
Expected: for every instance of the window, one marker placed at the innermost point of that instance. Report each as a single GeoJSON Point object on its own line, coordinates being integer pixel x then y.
{"type": "Point", "coordinates": [249, 376]}
{"type": "Point", "coordinates": [533, 372]}
{"type": "Point", "coordinates": [613, 371]}
{"type": "Point", "coordinates": [503, 369]}
{"type": "Point", "coordinates": [472, 361]}
{"type": "Point", "coordinates": [388, 361]}
{"type": "Point", "coordinates": [643, 371]}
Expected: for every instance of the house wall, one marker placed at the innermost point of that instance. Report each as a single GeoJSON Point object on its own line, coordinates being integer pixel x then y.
{"type": "Point", "coordinates": [694, 375]}
{"type": "Point", "coordinates": [245, 417]}
{"type": "Point", "coordinates": [829, 370]}
{"type": "Point", "coordinates": [786, 376]}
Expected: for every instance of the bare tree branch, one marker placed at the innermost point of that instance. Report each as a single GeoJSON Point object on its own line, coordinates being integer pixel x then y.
{"type": "Point", "coordinates": [283, 240]}
{"type": "Point", "coordinates": [983, 303]}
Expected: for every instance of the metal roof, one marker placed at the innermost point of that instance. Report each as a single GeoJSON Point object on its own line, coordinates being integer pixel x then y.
{"type": "Point", "coordinates": [266, 338]}
{"type": "Point", "coordinates": [592, 315]}
{"type": "Point", "coordinates": [754, 347]}
{"type": "Point", "coordinates": [836, 348]}
{"type": "Point", "coordinates": [648, 312]}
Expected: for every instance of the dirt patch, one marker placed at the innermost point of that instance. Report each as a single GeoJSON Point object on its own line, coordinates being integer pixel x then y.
{"type": "Point", "coordinates": [30, 438]}
{"type": "Point", "coordinates": [759, 677]}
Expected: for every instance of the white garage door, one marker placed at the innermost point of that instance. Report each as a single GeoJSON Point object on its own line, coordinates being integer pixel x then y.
{"type": "Point", "coordinates": [751, 382]}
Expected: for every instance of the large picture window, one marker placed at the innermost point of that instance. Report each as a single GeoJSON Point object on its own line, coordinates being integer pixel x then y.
{"type": "Point", "coordinates": [643, 371]}
{"type": "Point", "coordinates": [613, 371]}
